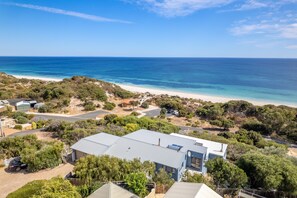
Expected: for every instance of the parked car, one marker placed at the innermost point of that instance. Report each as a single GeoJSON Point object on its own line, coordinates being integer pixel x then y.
{"type": "Point", "coordinates": [16, 165]}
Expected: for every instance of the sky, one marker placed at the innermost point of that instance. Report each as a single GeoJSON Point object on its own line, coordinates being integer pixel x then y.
{"type": "Point", "coordinates": [149, 28]}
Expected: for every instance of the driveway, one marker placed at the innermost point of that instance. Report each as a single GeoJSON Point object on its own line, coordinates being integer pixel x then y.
{"type": "Point", "coordinates": [10, 182]}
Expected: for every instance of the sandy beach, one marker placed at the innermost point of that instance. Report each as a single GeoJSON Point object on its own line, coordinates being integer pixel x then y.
{"type": "Point", "coordinates": [139, 89]}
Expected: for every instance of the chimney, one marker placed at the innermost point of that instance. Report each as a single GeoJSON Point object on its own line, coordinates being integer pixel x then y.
{"type": "Point", "coordinates": [222, 145]}
{"type": "Point", "coordinates": [159, 143]}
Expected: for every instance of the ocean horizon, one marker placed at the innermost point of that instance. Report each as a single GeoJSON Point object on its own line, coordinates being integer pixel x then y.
{"type": "Point", "coordinates": [257, 79]}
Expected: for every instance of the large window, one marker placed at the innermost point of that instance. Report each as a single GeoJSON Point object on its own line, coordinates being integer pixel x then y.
{"type": "Point", "coordinates": [170, 170]}
{"type": "Point", "coordinates": [196, 163]}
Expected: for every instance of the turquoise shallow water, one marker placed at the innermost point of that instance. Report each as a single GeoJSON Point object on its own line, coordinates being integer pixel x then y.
{"type": "Point", "coordinates": [273, 80]}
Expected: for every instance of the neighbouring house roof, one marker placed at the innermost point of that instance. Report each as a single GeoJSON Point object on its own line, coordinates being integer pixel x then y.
{"type": "Point", "coordinates": [216, 148]}
{"type": "Point", "coordinates": [111, 190]}
{"type": "Point", "coordinates": [153, 137]}
{"type": "Point", "coordinates": [190, 190]}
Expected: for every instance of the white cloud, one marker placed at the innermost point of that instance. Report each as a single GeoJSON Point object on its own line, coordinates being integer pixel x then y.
{"type": "Point", "coordinates": [173, 8]}
{"type": "Point", "coordinates": [253, 4]}
{"type": "Point", "coordinates": [289, 31]}
{"type": "Point", "coordinates": [68, 13]}
{"type": "Point", "coordinates": [280, 30]}
{"type": "Point", "coordinates": [291, 47]}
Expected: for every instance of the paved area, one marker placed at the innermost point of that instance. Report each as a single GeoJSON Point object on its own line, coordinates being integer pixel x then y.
{"type": "Point", "coordinates": [10, 182]}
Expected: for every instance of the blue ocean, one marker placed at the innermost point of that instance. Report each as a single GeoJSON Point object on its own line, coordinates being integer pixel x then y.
{"type": "Point", "coordinates": [272, 80]}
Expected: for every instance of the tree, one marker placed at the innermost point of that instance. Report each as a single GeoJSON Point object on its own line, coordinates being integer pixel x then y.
{"type": "Point", "coordinates": [55, 187]}
{"type": "Point", "coordinates": [226, 174]}
{"type": "Point", "coordinates": [105, 168]}
{"type": "Point", "coordinates": [137, 183]}
{"type": "Point", "coordinates": [163, 178]}
{"type": "Point", "coordinates": [48, 156]}
{"type": "Point", "coordinates": [270, 172]}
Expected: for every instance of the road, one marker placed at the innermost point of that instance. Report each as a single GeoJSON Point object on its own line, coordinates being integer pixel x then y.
{"type": "Point", "coordinates": [154, 113]}
{"type": "Point", "coordinates": [23, 133]}
{"type": "Point", "coordinates": [86, 116]}
{"type": "Point", "coordinates": [186, 129]}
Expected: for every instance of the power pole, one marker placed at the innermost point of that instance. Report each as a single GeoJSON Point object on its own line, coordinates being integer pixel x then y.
{"type": "Point", "coordinates": [1, 129]}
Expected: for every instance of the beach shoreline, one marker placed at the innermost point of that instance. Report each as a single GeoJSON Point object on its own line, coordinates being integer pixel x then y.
{"type": "Point", "coordinates": [156, 91]}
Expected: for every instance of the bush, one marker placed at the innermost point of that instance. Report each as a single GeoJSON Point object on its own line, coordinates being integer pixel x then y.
{"type": "Point", "coordinates": [106, 168]}
{"type": "Point", "coordinates": [43, 109]}
{"type": "Point", "coordinates": [134, 113]}
{"type": "Point", "coordinates": [18, 127]}
{"type": "Point", "coordinates": [12, 147]}
{"type": "Point", "coordinates": [145, 105]}
{"type": "Point", "coordinates": [55, 187]}
{"type": "Point", "coordinates": [109, 106]}
{"type": "Point", "coordinates": [89, 106]}
{"type": "Point", "coordinates": [226, 174]}
{"type": "Point", "coordinates": [48, 156]}
{"type": "Point", "coordinates": [137, 182]}
{"type": "Point", "coordinates": [270, 172]}
{"type": "Point", "coordinates": [21, 120]}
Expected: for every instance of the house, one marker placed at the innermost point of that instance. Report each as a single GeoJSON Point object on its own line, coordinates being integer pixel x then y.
{"type": "Point", "coordinates": [23, 106]}
{"type": "Point", "coordinates": [111, 190]}
{"type": "Point", "coordinates": [190, 190]}
{"type": "Point", "coordinates": [171, 152]}
{"type": "Point", "coordinates": [4, 102]}
{"type": "Point", "coordinates": [2, 108]}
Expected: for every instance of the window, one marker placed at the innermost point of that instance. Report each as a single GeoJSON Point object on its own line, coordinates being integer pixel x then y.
{"type": "Point", "coordinates": [170, 170]}
{"type": "Point", "coordinates": [196, 163]}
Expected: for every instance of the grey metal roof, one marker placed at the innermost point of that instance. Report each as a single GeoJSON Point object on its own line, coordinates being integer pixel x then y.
{"type": "Point", "coordinates": [153, 137]}
{"type": "Point", "coordinates": [111, 190]}
{"type": "Point", "coordinates": [129, 149]}
{"type": "Point", "coordinates": [215, 148]}
{"type": "Point", "coordinates": [89, 147]}
{"type": "Point", "coordinates": [103, 138]}
{"type": "Point", "coordinates": [190, 190]}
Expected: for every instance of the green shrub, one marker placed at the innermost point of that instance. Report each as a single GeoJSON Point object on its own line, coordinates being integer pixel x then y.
{"type": "Point", "coordinates": [145, 105]}
{"type": "Point", "coordinates": [89, 106]}
{"type": "Point", "coordinates": [137, 182]}
{"type": "Point", "coordinates": [48, 156]}
{"type": "Point", "coordinates": [21, 120]}
{"type": "Point", "coordinates": [55, 187]}
{"type": "Point", "coordinates": [109, 106]}
{"type": "Point", "coordinates": [18, 127]}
